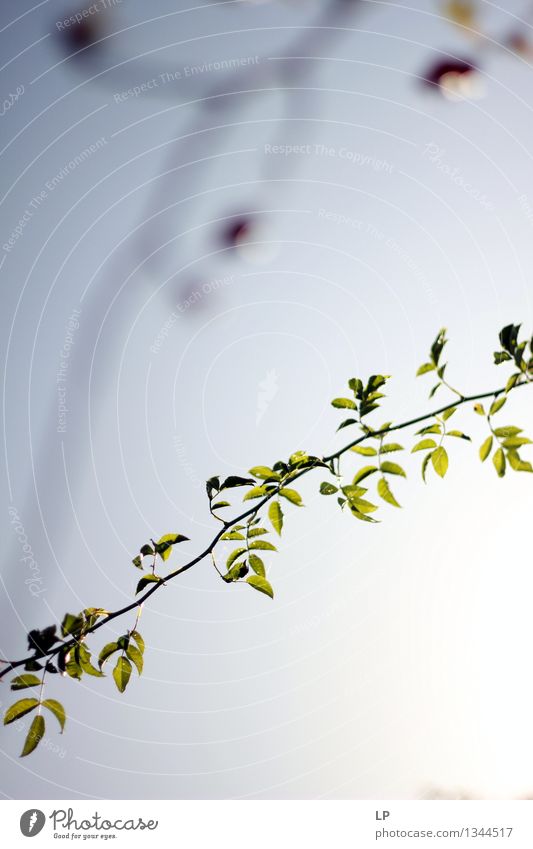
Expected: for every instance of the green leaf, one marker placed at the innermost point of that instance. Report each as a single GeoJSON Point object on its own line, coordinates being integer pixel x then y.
{"type": "Point", "coordinates": [504, 432]}
{"type": "Point", "coordinates": [72, 625]}
{"type": "Point", "coordinates": [497, 405]}
{"type": "Point", "coordinates": [34, 737]}
{"type": "Point", "coordinates": [220, 504]}
{"type": "Point", "coordinates": [122, 673]}
{"type": "Point", "coordinates": [438, 345]}
{"type": "Point", "coordinates": [237, 571]}
{"type": "Point", "coordinates": [298, 458]}
{"type": "Point", "coordinates": [485, 449]}
{"type": "Point", "coordinates": [459, 434]}
{"type": "Point", "coordinates": [233, 535]}
{"type": "Point", "coordinates": [517, 463]}
{"type": "Point", "coordinates": [261, 584]}
{"type": "Point", "coordinates": [255, 492]}
{"type": "Point", "coordinates": [139, 640]}
{"type": "Point", "coordinates": [21, 682]}
{"type": "Point", "coordinates": [292, 496]}
{"type": "Point", "coordinates": [499, 462]}
{"type": "Point", "coordinates": [58, 710]}
{"type": "Point", "coordinates": [32, 665]}
{"type": "Point", "coordinates": [84, 660]}
{"type": "Point", "coordinates": [424, 368]}
{"type": "Point", "coordinates": [392, 469]}
{"type": "Point", "coordinates": [385, 493]}
{"type": "Point", "coordinates": [147, 551]}
{"type": "Point", "coordinates": [147, 579]}
{"type": "Point", "coordinates": [363, 506]}
{"type": "Point", "coordinates": [238, 552]}
{"type": "Point", "coordinates": [327, 488]}
{"type": "Point", "coordinates": [236, 480]}
{"type": "Point", "coordinates": [364, 473]}
{"type": "Point", "coordinates": [392, 446]}
{"type": "Point", "coordinates": [133, 653]}
{"type": "Point", "coordinates": [346, 423]}
{"type": "Point", "coordinates": [257, 532]}
{"type": "Point", "coordinates": [262, 545]}
{"type": "Point", "coordinates": [137, 562]}
{"type": "Point", "coordinates": [436, 428]}
{"type": "Point", "coordinates": [513, 380]}
{"type": "Point", "coordinates": [423, 445]}
{"type": "Point", "coordinates": [123, 642]}
{"type": "Point", "coordinates": [439, 458]}
{"type": "Point", "coordinates": [107, 651]}
{"type": "Point", "coordinates": [344, 404]}
{"type": "Point", "coordinates": [163, 546]}
{"type": "Point", "coordinates": [363, 517]}
{"type": "Point", "coordinates": [72, 667]}
{"type": "Point", "coordinates": [479, 409]}
{"type": "Point", "coordinates": [365, 450]}
{"type": "Point", "coordinates": [425, 462]}
{"type": "Point", "coordinates": [257, 565]}
{"type": "Point", "coordinates": [448, 413]}
{"type": "Point", "coordinates": [19, 709]}
{"type": "Point", "coordinates": [516, 441]}
{"type": "Point", "coordinates": [275, 514]}
{"type": "Point", "coordinates": [264, 472]}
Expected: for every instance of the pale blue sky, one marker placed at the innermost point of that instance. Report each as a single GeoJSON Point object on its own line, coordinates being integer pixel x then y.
{"type": "Point", "coordinates": [395, 656]}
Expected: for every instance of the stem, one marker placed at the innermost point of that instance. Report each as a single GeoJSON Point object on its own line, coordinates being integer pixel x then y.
{"type": "Point", "coordinates": [253, 510]}
{"type": "Point", "coordinates": [215, 565]}
{"type": "Point", "coordinates": [41, 691]}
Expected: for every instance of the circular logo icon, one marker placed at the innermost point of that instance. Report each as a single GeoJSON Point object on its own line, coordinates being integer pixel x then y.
{"type": "Point", "coordinates": [32, 822]}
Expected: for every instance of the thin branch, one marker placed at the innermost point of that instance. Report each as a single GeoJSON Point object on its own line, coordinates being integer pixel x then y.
{"type": "Point", "coordinates": [250, 511]}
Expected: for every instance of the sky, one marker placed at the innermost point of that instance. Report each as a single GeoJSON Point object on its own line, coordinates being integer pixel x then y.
{"type": "Point", "coordinates": [143, 351]}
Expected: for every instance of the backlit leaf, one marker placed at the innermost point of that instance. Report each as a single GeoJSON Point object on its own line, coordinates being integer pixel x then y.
{"type": "Point", "coordinates": [343, 404]}
{"type": "Point", "coordinates": [257, 565]}
{"type": "Point", "coordinates": [58, 710]}
{"type": "Point", "coordinates": [275, 514]}
{"type": "Point", "coordinates": [439, 459]}
{"type": "Point", "coordinates": [34, 737]}
{"type": "Point", "coordinates": [261, 584]}
{"type": "Point", "coordinates": [499, 462]}
{"type": "Point", "coordinates": [385, 493]}
{"type": "Point", "coordinates": [485, 448]}
{"type": "Point", "coordinates": [424, 445]}
{"type": "Point", "coordinates": [147, 579]}
{"type": "Point", "coordinates": [19, 709]}
{"type": "Point", "coordinates": [122, 673]}
{"type": "Point", "coordinates": [497, 405]}
{"type": "Point", "coordinates": [292, 496]}
{"type": "Point", "coordinates": [21, 682]}
{"type": "Point", "coordinates": [262, 545]}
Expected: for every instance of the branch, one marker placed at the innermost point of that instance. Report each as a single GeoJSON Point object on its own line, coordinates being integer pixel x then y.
{"type": "Point", "coordinates": [254, 509]}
